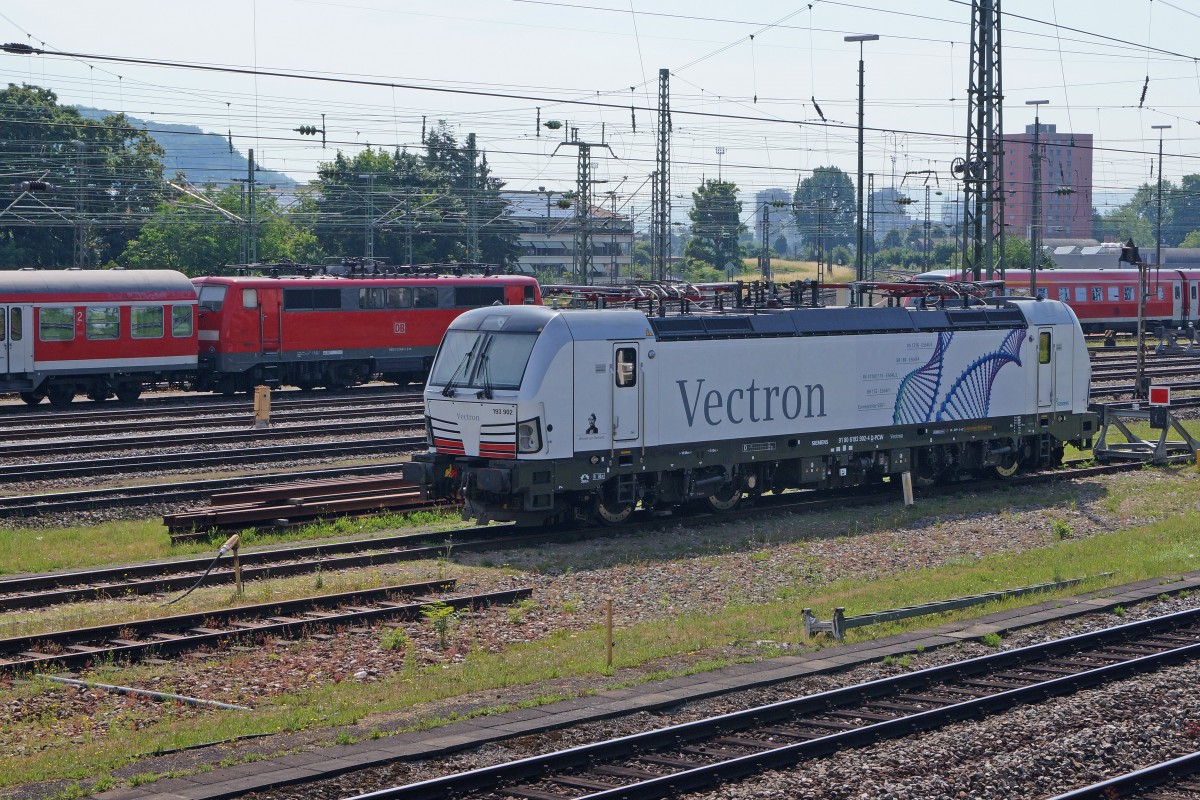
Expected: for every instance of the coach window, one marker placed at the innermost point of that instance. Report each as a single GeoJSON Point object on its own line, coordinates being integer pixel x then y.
{"type": "Point", "coordinates": [399, 297]}
{"type": "Point", "coordinates": [146, 322]}
{"type": "Point", "coordinates": [626, 367]}
{"type": "Point", "coordinates": [249, 298]}
{"type": "Point", "coordinates": [1160, 293]}
{"type": "Point", "coordinates": [1080, 294]}
{"type": "Point", "coordinates": [1044, 347]}
{"type": "Point", "coordinates": [56, 324]}
{"type": "Point", "coordinates": [1127, 292]}
{"type": "Point", "coordinates": [1177, 291]}
{"type": "Point", "coordinates": [103, 322]}
{"type": "Point", "coordinates": [1097, 294]}
{"type": "Point", "coordinates": [1193, 291]}
{"type": "Point", "coordinates": [15, 318]}
{"type": "Point", "coordinates": [425, 297]}
{"type": "Point", "coordinates": [181, 321]}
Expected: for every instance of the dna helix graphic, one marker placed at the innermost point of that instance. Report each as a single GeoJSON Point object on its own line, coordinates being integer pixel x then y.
{"type": "Point", "coordinates": [971, 394]}
{"type": "Point", "coordinates": [919, 390]}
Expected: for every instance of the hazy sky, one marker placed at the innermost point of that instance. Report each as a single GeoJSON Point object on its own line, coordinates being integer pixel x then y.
{"type": "Point", "coordinates": [750, 96]}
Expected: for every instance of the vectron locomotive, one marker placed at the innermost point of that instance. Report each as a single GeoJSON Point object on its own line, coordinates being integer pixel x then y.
{"type": "Point", "coordinates": [538, 415]}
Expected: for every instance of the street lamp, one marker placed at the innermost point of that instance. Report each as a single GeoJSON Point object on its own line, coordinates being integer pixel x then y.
{"type": "Point", "coordinates": [720, 157]}
{"type": "Point", "coordinates": [858, 255]}
{"type": "Point", "coordinates": [1035, 217]}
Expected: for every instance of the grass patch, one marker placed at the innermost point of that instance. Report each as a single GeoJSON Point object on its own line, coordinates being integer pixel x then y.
{"type": "Point", "coordinates": [124, 541]}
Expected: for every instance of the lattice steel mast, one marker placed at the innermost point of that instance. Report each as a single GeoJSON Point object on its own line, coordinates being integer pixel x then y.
{"type": "Point", "coordinates": [660, 216]}
{"type": "Point", "coordinates": [982, 171]}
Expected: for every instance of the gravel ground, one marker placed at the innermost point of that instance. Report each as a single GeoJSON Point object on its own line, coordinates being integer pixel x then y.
{"type": "Point", "coordinates": [654, 576]}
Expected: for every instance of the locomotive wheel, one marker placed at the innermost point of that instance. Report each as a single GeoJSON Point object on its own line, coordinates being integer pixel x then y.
{"type": "Point", "coordinates": [926, 472]}
{"type": "Point", "coordinates": [128, 392]}
{"type": "Point", "coordinates": [1008, 467]}
{"type": "Point", "coordinates": [612, 513]}
{"type": "Point", "coordinates": [98, 395]}
{"type": "Point", "coordinates": [305, 385]}
{"type": "Point", "coordinates": [33, 398]}
{"type": "Point", "coordinates": [727, 499]}
{"type": "Point", "coordinates": [60, 396]}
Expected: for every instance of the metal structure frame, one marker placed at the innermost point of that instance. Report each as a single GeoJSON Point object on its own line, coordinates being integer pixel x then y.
{"type": "Point", "coordinates": [982, 171]}
{"type": "Point", "coordinates": [660, 235]}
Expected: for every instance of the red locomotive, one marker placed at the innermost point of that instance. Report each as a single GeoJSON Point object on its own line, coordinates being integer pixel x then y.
{"type": "Point", "coordinates": [1106, 299]}
{"type": "Point", "coordinates": [98, 333]}
{"type": "Point", "coordinates": [334, 331]}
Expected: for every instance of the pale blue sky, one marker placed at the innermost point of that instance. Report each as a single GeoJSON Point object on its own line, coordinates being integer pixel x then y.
{"type": "Point", "coordinates": [916, 79]}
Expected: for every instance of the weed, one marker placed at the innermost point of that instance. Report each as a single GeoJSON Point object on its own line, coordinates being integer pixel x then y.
{"type": "Point", "coordinates": [442, 619]}
{"type": "Point", "coordinates": [344, 738]}
{"type": "Point", "coordinates": [920, 648]}
{"type": "Point", "coordinates": [143, 778]}
{"type": "Point", "coordinates": [991, 639]}
{"type": "Point", "coordinates": [318, 578]}
{"type": "Point", "coordinates": [760, 555]}
{"type": "Point", "coordinates": [570, 607]}
{"type": "Point", "coordinates": [394, 639]}
{"type": "Point", "coordinates": [1062, 529]}
{"type": "Point", "coordinates": [1119, 611]}
{"type": "Point", "coordinates": [375, 734]}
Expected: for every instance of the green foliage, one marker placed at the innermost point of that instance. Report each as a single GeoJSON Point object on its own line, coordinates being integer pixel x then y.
{"type": "Point", "coordinates": [1119, 611]}
{"type": "Point", "coordinates": [394, 639]}
{"type": "Point", "coordinates": [991, 639]}
{"type": "Point", "coordinates": [436, 199]}
{"type": "Point", "coordinates": [825, 204]}
{"type": "Point", "coordinates": [1062, 529]}
{"type": "Point", "coordinates": [108, 169]}
{"type": "Point", "coordinates": [716, 226]}
{"type": "Point", "coordinates": [442, 619]}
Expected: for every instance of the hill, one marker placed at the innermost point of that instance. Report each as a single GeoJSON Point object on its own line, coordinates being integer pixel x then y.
{"type": "Point", "coordinates": [203, 157]}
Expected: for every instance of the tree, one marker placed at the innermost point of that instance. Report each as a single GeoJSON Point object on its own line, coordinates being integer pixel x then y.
{"type": "Point", "coordinates": [1135, 219]}
{"type": "Point", "coordinates": [780, 245]}
{"type": "Point", "coordinates": [192, 236]}
{"type": "Point", "coordinates": [716, 225]}
{"type": "Point", "coordinates": [1181, 210]}
{"type": "Point", "coordinates": [101, 176]}
{"type": "Point", "coordinates": [438, 200]}
{"type": "Point", "coordinates": [825, 204]}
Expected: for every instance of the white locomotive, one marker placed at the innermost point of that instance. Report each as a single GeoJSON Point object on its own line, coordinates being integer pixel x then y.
{"type": "Point", "coordinates": [539, 415]}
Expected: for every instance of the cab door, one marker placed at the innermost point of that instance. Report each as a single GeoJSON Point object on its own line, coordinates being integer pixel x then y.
{"type": "Point", "coordinates": [16, 338]}
{"type": "Point", "coordinates": [1045, 370]}
{"type": "Point", "coordinates": [626, 388]}
{"type": "Point", "coordinates": [270, 318]}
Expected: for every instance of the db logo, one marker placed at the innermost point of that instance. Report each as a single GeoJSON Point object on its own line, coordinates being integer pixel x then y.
{"type": "Point", "coordinates": [399, 328]}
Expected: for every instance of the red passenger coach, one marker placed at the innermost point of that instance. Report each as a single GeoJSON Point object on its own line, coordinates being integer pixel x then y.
{"type": "Point", "coordinates": [334, 331]}
{"type": "Point", "coordinates": [96, 332]}
{"type": "Point", "coordinates": [1106, 299]}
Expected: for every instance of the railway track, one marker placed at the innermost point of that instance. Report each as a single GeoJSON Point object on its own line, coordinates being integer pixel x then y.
{"type": "Point", "coordinates": [158, 577]}
{"type": "Point", "coordinates": [211, 437]}
{"type": "Point", "coordinates": [172, 635]}
{"type": "Point", "coordinates": [734, 746]}
{"type": "Point", "coordinates": [1171, 780]}
{"type": "Point", "coordinates": [349, 448]}
{"type": "Point", "coordinates": [27, 430]}
{"type": "Point", "coordinates": [32, 505]}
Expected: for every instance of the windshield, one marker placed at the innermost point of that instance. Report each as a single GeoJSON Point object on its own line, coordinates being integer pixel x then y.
{"type": "Point", "coordinates": [211, 297]}
{"type": "Point", "coordinates": [482, 360]}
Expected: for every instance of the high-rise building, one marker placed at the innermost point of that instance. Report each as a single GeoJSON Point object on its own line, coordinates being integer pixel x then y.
{"type": "Point", "coordinates": [782, 218]}
{"type": "Point", "coordinates": [1066, 183]}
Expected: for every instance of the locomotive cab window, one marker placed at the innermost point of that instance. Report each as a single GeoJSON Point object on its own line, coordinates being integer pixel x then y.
{"type": "Point", "coordinates": [372, 298]}
{"type": "Point", "coordinates": [249, 298]}
{"type": "Point", "coordinates": [1044, 347]}
{"type": "Point", "coordinates": [146, 322]}
{"type": "Point", "coordinates": [103, 322]}
{"type": "Point", "coordinates": [181, 321]}
{"type": "Point", "coordinates": [15, 319]}
{"type": "Point", "coordinates": [56, 324]}
{"type": "Point", "coordinates": [626, 367]}
{"type": "Point", "coordinates": [211, 298]}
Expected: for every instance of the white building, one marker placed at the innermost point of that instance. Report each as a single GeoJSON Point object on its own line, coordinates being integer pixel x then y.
{"type": "Point", "coordinates": [548, 236]}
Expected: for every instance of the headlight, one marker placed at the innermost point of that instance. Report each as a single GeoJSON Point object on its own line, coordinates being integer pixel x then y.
{"type": "Point", "coordinates": [529, 436]}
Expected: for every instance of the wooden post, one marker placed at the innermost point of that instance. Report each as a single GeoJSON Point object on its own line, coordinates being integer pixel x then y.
{"type": "Point", "coordinates": [906, 481]}
{"type": "Point", "coordinates": [608, 602]}
{"type": "Point", "coordinates": [232, 544]}
{"type": "Point", "coordinates": [262, 406]}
